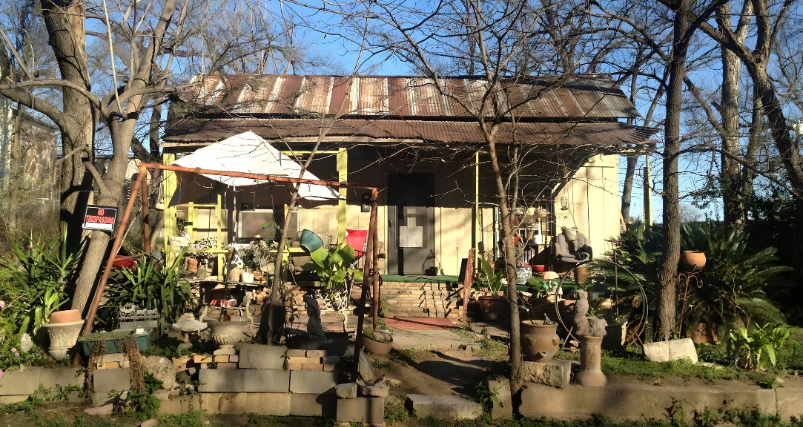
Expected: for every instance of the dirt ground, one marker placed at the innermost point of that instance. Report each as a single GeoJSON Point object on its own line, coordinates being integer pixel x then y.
{"type": "Point", "coordinates": [438, 372]}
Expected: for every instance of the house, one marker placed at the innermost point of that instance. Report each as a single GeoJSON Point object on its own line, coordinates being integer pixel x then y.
{"type": "Point", "coordinates": [425, 151]}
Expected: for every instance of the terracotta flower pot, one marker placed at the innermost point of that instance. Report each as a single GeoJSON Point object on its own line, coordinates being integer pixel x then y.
{"type": "Point", "coordinates": [492, 308]}
{"type": "Point", "coordinates": [590, 373]}
{"type": "Point", "coordinates": [692, 259]}
{"type": "Point", "coordinates": [539, 342]}
{"type": "Point", "coordinates": [65, 316]}
{"type": "Point", "coordinates": [192, 265]}
{"type": "Point", "coordinates": [377, 347]}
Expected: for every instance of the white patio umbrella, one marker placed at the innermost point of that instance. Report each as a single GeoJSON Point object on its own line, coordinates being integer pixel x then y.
{"type": "Point", "coordinates": [247, 152]}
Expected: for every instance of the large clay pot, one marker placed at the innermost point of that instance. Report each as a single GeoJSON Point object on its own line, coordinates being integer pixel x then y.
{"type": "Point", "coordinates": [65, 316]}
{"type": "Point", "coordinates": [226, 334]}
{"type": "Point", "coordinates": [63, 337]}
{"type": "Point", "coordinates": [590, 373]}
{"type": "Point", "coordinates": [539, 342]}
{"type": "Point", "coordinates": [377, 347]}
{"type": "Point", "coordinates": [692, 259]}
{"type": "Point", "coordinates": [492, 307]}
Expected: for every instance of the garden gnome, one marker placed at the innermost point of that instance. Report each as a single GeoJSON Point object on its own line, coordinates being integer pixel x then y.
{"type": "Point", "coordinates": [314, 328]}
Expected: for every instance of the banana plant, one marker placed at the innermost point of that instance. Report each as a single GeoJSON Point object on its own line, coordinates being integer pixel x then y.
{"type": "Point", "coordinates": [495, 281]}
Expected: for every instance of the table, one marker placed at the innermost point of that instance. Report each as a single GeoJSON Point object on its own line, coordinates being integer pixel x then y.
{"type": "Point", "coordinates": [242, 288]}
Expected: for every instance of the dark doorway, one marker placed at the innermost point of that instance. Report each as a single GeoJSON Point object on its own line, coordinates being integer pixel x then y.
{"type": "Point", "coordinates": [411, 228]}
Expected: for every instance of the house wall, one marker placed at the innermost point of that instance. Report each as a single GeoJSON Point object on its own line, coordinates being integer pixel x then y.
{"type": "Point", "coordinates": [593, 194]}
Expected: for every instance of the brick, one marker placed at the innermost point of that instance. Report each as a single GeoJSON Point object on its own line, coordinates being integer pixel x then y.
{"type": "Point", "coordinates": [317, 353]}
{"type": "Point", "coordinates": [112, 379]}
{"type": "Point", "coordinates": [312, 382]}
{"type": "Point", "coordinates": [366, 410]}
{"type": "Point", "coordinates": [295, 366]}
{"type": "Point", "coordinates": [257, 356]}
{"type": "Point", "coordinates": [296, 353]}
{"type": "Point", "coordinates": [113, 357]}
{"type": "Point", "coordinates": [328, 368]}
{"type": "Point", "coordinates": [234, 358]}
{"type": "Point", "coordinates": [277, 404]}
{"type": "Point", "coordinates": [312, 367]}
{"type": "Point", "coordinates": [331, 360]}
{"type": "Point", "coordinates": [222, 359]}
{"type": "Point", "coordinates": [181, 361]}
{"type": "Point", "coordinates": [227, 365]}
{"type": "Point", "coordinates": [346, 391]}
{"type": "Point", "coordinates": [113, 365]}
{"type": "Point", "coordinates": [202, 358]}
{"type": "Point", "coordinates": [304, 360]}
{"type": "Point", "coordinates": [313, 405]}
{"type": "Point", "coordinates": [244, 380]}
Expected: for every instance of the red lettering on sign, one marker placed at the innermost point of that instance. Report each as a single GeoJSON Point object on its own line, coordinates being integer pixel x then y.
{"type": "Point", "coordinates": [101, 211]}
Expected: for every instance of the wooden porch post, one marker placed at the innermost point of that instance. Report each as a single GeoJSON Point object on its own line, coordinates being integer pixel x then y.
{"type": "Point", "coordinates": [467, 283]}
{"type": "Point", "coordinates": [375, 253]}
{"type": "Point", "coordinates": [476, 231]}
{"type": "Point", "coordinates": [146, 228]}
{"type": "Point", "coordinates": [170, 185]}
{"type": "Point", "coordinates": [366, 279]}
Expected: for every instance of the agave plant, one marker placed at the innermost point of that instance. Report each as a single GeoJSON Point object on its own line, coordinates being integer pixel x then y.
{"type": "Point", "coordinates": [734, 280]}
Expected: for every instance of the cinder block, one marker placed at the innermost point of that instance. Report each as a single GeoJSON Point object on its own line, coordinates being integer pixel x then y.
{"type": "Point", "coordinates": [113, 357]}
{"type": "Point", "coordinates": [181, 405]}
{"type": "Point", "coordinates": [328, 368]}
{"type": "Point", "coordinates": [502, 404]}
{"type": "Point", "coordinates": [277, 404]}
{"type": "Point", "coordinates": [312, 367]}
{"type": "Point", "coordinates": [296, 353]}
{"type": "Point", "coordinates": [317, 353]}
{"type": "Point", "coordinates": [62, 377]}
{"type": "Point", "coordinates": [234, 358]}
{"type": "Point", "coordinates": [444, 407]}
{"type": "Point", "coordinates": [331, 360]}
{"type": "Point", "coordinates": [313, 405]}
{"type": "Point", "coordinates": [257, 356]}
{"type": "Point", "coordinates": [312, 382]}
{"type": "Point", "coordinates": [244, 380]}
{"type": "Point", "coordinates": [233, 403]}
{"type": "Point", "coordinates": [112, 379]}
{"type": "Point", "coordinates": [227, 365]}
{"type": "Point", "coordinates": [210, 402]}
{"type": "Point", "coordinates": [366, 410]}
{"type": "Point", "coordinates": [555, 373]}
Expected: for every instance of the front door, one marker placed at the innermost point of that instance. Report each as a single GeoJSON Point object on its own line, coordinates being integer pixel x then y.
{"type": "Point", "coordinates": [411, 216]}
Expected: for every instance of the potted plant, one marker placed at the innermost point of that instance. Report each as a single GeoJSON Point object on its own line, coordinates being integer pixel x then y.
{"type": "Point", "coordinates": [493, 305]}
{"type": "Point", "coordinates": [256, 257]}
{"type": "Point", "coordinates": [539, 340]}
{"type": "Point", "coordinates": [331, 266]}
{"type": "Point", "coordinates": [377, 342]}
{"type": "Point", "coordinates": [62, 327]}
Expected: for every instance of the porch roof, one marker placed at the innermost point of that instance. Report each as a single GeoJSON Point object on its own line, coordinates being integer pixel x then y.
{"type": "Point", "coordinates": [199, 131]}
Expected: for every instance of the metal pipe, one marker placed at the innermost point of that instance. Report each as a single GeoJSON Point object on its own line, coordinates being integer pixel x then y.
{"type": "Point", "coordinates": [146, 228]}
{"type": "Point", "coordinates": [259, 176]}
{"type": "Point", "coordinates": [375, 255]}
{"type": "Point", "coordinates": [93, 309]}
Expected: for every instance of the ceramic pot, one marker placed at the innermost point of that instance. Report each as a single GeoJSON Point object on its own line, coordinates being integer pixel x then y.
{"type": "Point", "coordinates": [234, 274]}
{"type": "Point", "coordinates": [538, 268]}
{"type": "Point", "coordinates": [248, 277]}
{"type": "Point", "coordinates": [539, 342]}
{"type": "Point", "coordinates": [63, 337]}
{"type": "Point", "coordinates": [377, 347]}
{"type": "Point", "coordinates": [580, 275]}
{"type": "Point", "coordinates": [590, 373]}
{"type": "Point", "coordinates": [226, 334]}
{"type": "Point", "coordinates": [492, 308]}
{"type": "Point", "coordinates": [65, 316]}
{"type": "Point", "coordinates": [192, 265]}
{"type": "Point", "coordinates": [692, 259]}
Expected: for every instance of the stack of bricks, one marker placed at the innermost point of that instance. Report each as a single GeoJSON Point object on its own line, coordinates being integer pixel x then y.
{"type": "Point", "coordinates": [222, 361]}
{"type": "Point", "coordinates": [113, 361]}
{"type": "Point", "coordinates": [311, 360]}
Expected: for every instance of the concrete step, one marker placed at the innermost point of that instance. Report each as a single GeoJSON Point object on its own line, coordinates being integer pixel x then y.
{"type": "Point", "coordinates": [445, 407]}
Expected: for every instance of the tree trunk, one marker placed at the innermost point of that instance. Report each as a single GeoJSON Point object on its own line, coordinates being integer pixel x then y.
{"type": "Point", "coordinates": [65, 25]}
{"type": "Point", "coordinates": [667, 270]}
{"type": "Point", "coordinates": [627, 189]}
{"type": "Point", "coordinates": [731, 173]}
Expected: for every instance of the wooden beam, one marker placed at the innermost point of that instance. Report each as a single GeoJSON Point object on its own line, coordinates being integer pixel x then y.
{"type": "Point", "coordinates": [343, 174]}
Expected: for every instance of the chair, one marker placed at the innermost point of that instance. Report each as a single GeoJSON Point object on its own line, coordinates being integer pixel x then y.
{"type": "Point", "coordinates": [566, 252]}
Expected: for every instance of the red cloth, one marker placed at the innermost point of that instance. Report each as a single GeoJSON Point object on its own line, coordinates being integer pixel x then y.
{"type": "Point", "coordinates": [356, 239]}
{"type": "Point", "coordinates": [124, 261]}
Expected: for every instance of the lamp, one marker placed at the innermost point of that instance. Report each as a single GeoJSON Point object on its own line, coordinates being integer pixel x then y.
{"type": "Point", "coordinates": [366, 203]}
{"type": "Point", "coordinates": [564, 203]}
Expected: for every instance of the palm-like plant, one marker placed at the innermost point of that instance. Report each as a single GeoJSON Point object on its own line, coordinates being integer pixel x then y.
{"type": "Point", "coordinates": [733, 280]}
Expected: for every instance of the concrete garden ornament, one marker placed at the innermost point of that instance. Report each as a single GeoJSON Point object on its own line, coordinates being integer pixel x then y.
{"type": "Point", "coordinates": [589, 331]}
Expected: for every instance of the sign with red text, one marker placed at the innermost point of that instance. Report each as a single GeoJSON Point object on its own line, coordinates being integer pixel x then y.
{"type": "Point", "coordinates": [100, 218]}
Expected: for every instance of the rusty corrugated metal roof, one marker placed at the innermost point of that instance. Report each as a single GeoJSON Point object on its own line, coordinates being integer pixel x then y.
{"type": "Point", "coordinates": [199, 130]}
{"type": "Point", "coordinates": [583, 97]}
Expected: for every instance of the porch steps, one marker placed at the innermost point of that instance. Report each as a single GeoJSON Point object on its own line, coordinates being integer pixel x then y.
{"type": "Point", "coordinates": [430, 299]}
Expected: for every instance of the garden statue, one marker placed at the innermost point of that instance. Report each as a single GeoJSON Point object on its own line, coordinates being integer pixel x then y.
{"type": "Point", "coordinates": [314, 328]}
{"type": "Point", "coordinates": [589, 331]}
